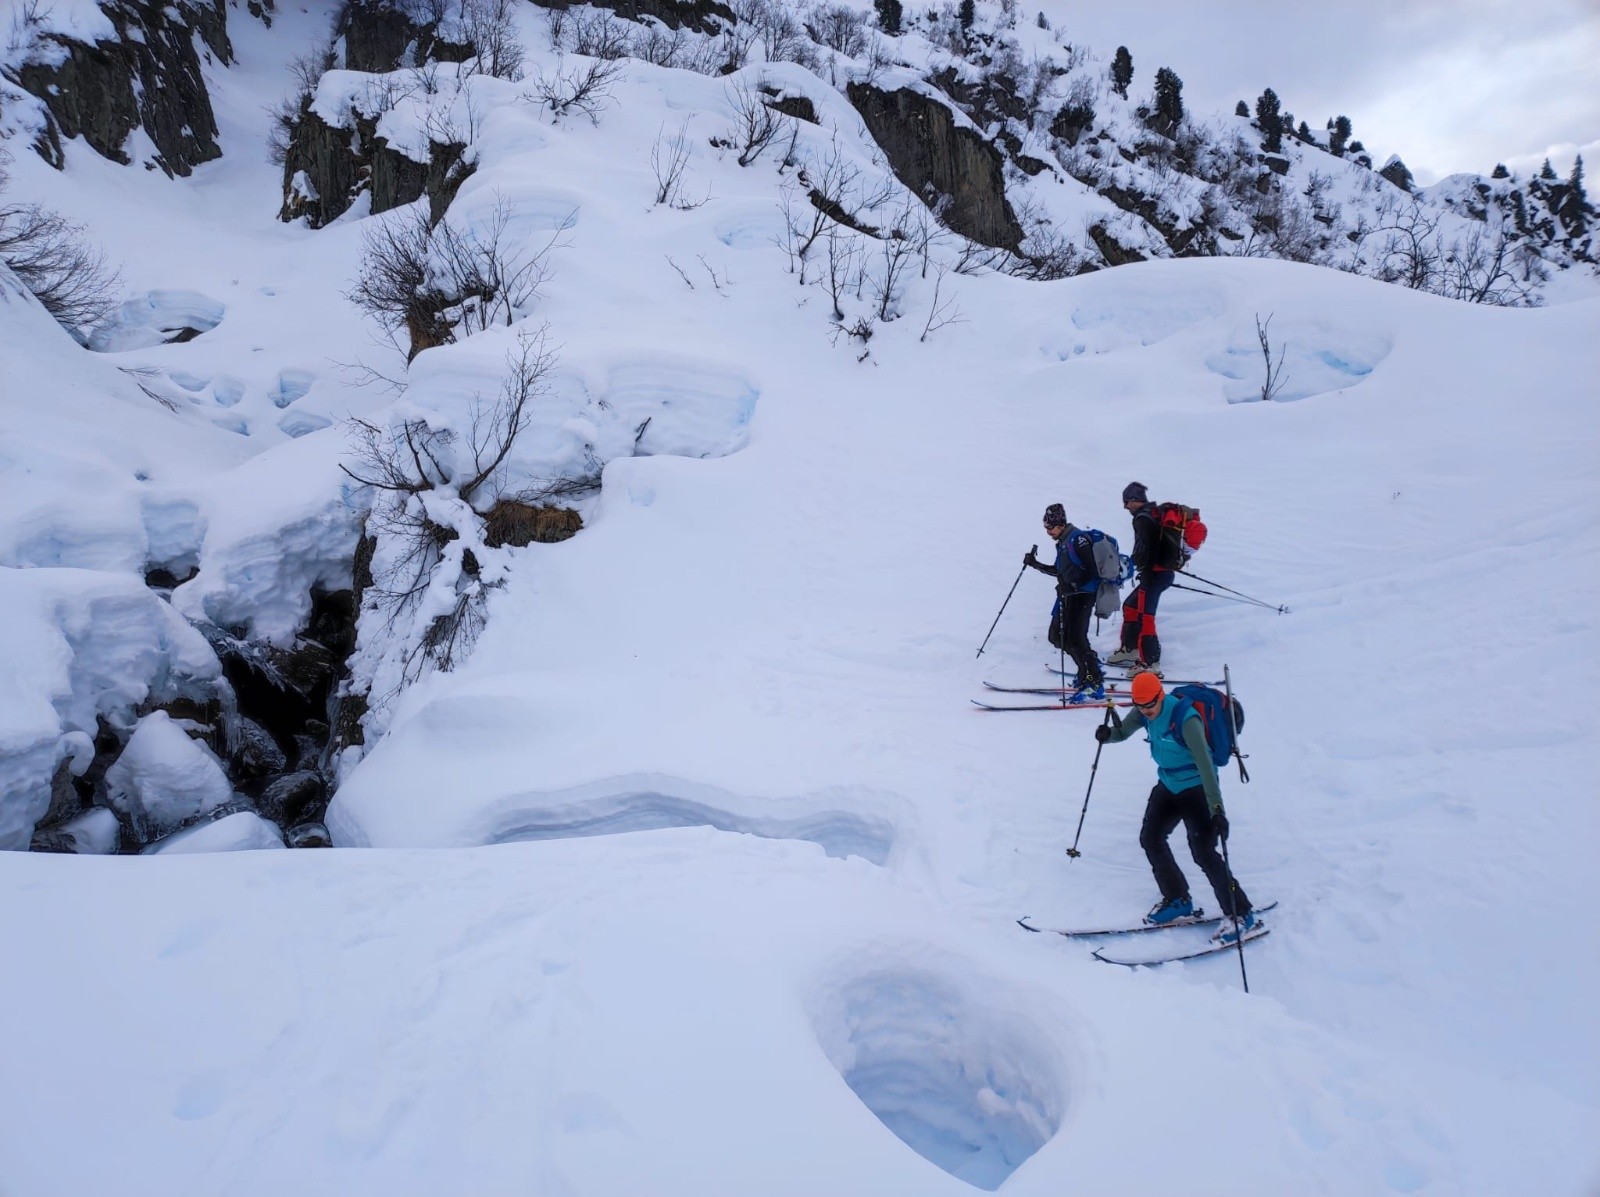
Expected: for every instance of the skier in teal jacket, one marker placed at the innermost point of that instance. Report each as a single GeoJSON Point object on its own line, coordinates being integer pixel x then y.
{"type": "Point", "coordinates": [1187, 792]}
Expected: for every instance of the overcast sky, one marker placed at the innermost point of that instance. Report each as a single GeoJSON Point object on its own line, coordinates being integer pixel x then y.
{"type": "Point", "coordinates": [1449, 85]}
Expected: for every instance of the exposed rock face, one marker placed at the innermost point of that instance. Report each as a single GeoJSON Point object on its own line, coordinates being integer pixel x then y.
{"type": "Point", "coordinates": [380, 36]}
{"type": "Point", "coordinates": [941, 161]}
{"type": "Point", "coordinates": [326, 168]}
{"type": "Point", "coordinates": [703, 16]}
{"type": "Point", "coordinates": [149, 77]}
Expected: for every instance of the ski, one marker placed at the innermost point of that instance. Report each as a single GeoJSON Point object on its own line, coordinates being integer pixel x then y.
{"type": "Point", "coordinates": [1211, 949]}
{"type": "Point", "coordinates": [1058, 691]}
{"type": "Point", "coordinates": [1198, 919]}
{"type": "Point", "coordinates": [1113, 676]}
{"type": "Point", "coordinates": [1096, 704]}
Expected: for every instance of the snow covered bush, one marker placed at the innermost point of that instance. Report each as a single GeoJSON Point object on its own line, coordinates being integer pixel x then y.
{"type": "Point", "coordinates": [430, 280]}
{"type": "Point", "coordinates": [432, 566]}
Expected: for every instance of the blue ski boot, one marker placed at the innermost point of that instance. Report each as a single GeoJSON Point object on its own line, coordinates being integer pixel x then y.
{"type": "Point", "coordinates": [1169, 910]}
{"type": "Point", "coordinates": [1086, 693]}
{"type": "Point", "coordinates": [1232, 928]}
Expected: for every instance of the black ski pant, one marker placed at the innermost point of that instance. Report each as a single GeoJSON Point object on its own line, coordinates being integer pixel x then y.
{"type": "Point", "coordinates": [1069, 629]}
{"type": "Point", "coordinates": [1139, 615]}
{"type": "Point", "coordinates": [1162, 814]}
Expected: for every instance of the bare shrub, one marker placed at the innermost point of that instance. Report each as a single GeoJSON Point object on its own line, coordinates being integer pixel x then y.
{"type": "Point", "coordinates": [896, 255]}
{"type": "Point", "coordinates": [669, 159]}
{"type": "Point", "coordinates": [659, 46]}
{"type": "Point", "coordinates": [844, 267]}
{"type": "Point", "coordinates": [429, 281]}
{"type": "Point", "coordinates": [600, 33]}
{"type": "Point", "coordinates": [490, 27]}
{"type": "Point", "coordinates": [756, 125]}
{"type": "Point", "coordinates": [51, 256]}
{"type": "Point", "coordinates": [942, 310]}
{"type": "Point", "coordinates": [1409, 252]}
{"type": "Point", "coordinates": [774, 29]}
{"type": "Point", "coordinates": [1273, 380]}
{"type": "Point", "coordinates": [580, 88]}
{"type": "Point", "coordinates": [429, 582]}
{"type": "Point", "coordinates": [1491, 266]}
{"type": "Point", "coordinates": [27, 21]}
{"type": "Point", "coordinates": [285, 116]}
{"type": "Point", "coordinates": [840, 28]}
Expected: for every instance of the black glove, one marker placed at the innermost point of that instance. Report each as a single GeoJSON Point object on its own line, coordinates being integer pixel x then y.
{"type": "Point", "coordinates": [1102, 734]}
{"type": "Point", "coordinates": [1219, 822]}
{"type": "Point", "coordinates": [1029, 559]}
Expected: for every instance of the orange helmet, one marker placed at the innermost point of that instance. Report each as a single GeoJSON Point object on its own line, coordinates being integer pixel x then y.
{"type": "Point", "coordinates": [1147, 688]}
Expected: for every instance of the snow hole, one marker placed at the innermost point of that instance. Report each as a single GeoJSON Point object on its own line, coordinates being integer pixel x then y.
{"type": "Point", "coordinates": [960, 1083]}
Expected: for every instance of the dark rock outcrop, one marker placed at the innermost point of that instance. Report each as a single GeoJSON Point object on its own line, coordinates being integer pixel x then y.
{"type": "Point", "coordinates": [338, 164]}
{"type": "Point", "coordinates": [149, 77]}
{"type": "Point", "coordinates": [293, 797]}
{"type": "Point", "coordinates": [703, 16]}
{"type": "Point", "coordinates": [951, 167]}
{"type": "Point", "coordinates": [380, 36]}
{"type": "Point", "coordinates": [308, 835]}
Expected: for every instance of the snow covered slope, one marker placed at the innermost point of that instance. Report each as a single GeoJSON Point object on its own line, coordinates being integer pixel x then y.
{"type": "Point", "coordinates": [699, 876]}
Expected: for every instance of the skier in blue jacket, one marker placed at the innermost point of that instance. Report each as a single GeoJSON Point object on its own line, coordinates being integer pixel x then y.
{"type": "Point", "coordinates": [1187, 792]}
{"type": "Point", "coordinates": [1076, 583]}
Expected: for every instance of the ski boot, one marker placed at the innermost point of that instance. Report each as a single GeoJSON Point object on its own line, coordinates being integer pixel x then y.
{"type": "Point", "coordinates": [1171, 910]}
{"type": "Point", "coordinates": [1088, 693]}
{"type": "Point", "coordinates": [1232, 928]}
{"type": "Point", "coordinates": [1124, 656]}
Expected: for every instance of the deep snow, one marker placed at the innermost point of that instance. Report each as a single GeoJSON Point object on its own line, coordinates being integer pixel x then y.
{"type": "Point", "coordinates": [699, 876]}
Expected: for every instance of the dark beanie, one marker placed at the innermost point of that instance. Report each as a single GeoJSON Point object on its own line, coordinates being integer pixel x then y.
{"type": "Point", "coordinates": [1135, 492]}
{"type": "Point", "coordinates": [1055, 515]}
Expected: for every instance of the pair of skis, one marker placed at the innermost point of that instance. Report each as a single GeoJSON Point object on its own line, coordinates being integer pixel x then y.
{"type": "Point", "coordinates": [1065, 695]}
{"type": "Point", "coordinates": [1198, 919]}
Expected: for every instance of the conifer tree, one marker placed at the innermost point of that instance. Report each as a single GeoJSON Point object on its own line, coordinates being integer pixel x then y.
{"type": "Point", "coordinates": [1241, 109]}
{"type": "Point", "coordinates": [890, 15]}
{"type": "Point", "coordinates": [1304, 132]}
{"type": "Point", "coordinates": [1548, 172]}
{"type": "Point", "coordinates": [1500, 171]}
{"type": "Point", "coordinates": [1574, 210]}
{"type": "Point", "coordinates": [1169, 96]}
{"type": "Point", "coordinates": [965, 13]}
{"type": "Point", "coordinates": [1270, 120]}
{"type": "Point", "coordinates": [1338, 135]}
{"type": "Point", "coordinates": [1121, 71]}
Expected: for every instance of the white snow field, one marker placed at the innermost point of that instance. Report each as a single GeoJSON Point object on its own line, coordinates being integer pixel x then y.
{"type": "Point", "coordinates": [699, 876]}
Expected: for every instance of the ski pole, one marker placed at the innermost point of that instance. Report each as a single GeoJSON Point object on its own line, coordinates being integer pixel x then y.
{"type": "Point", "coordinates": [1093, 769]}
{"type": "Point", "coordinates": [1003, 606]}
{"type": "Point", "coordinates": [1233, 903]}
{"type": "Point", "coordinates": [1281, 610]}
{"type": "Point", "coordinates": [1230, 598]}
{"type": "Point", "coordinates": [1233, 728]}
{"type": "Point", "coordinates": [1233, 884]}
{"type": "Point", "coordinates": [1061, 631]}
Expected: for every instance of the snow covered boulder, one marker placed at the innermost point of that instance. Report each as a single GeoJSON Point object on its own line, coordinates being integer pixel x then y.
{"type": "Point", "coordinates": [238, 832]}
{"type": "Point", "coordinates": [163, 778]}
{"type": "Point", "coordinates": [309, 835]}
{"type": "Point", "coordinates": [80, 646]}
{"type": "Point", "coordinates": [96, 831]}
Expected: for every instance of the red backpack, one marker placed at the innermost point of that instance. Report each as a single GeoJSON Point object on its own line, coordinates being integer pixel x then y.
{"type": "Point", "coordinates": [1182, 534]}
